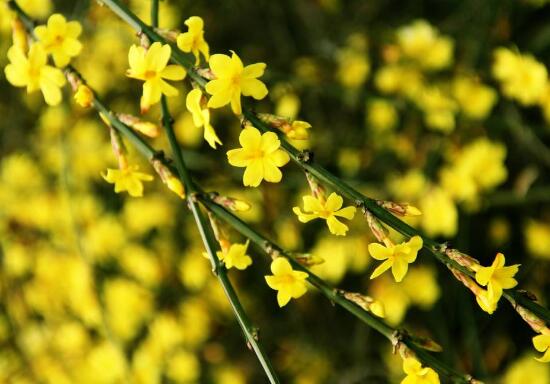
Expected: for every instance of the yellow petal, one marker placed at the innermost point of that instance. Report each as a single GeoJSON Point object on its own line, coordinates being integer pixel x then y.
{"type": "Point", "coordinates": [348, 212]}
{"type": "Point", "coordinates": [254, 88]}
{"type": "Point", "coordinates": [280, 266]}
{"type": "Point", "coordinates": [381, 269]}
{"type": "Point", "coordinates": [219, 64]}
{"type": "Point", "coordinates": [271, 173]}
{"type": "Point", "coordinates": [399, 269]}
{"type": "Point", "coordinates": [254, 70]}
{"type": "Point", "coordinates": [336, 227]}
{"type": "Point", "coordinates": [304, 217]}
{"type": "Point", "coordinates": [173, 72]}
{"type": "Point", "coordinates": [334, 202]}
{"type": "Point", "coordinates": [541, 342]}
{"type": "Point", "coordinates": [279, 157]}
{"type": "Point", "coordinates": [238, 157]}
{"type": "Point", "coordinates": [250, 138]}
{"type": "Point", "coordinates": [254, 173]}
{"type": "Point", "coordinates": [311, 204]}
{"type": "Point", "coordinates": [379, 252]}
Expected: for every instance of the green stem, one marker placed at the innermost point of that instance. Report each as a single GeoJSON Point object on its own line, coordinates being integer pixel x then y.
{"type": "Point", "coordinates": [209, 241]}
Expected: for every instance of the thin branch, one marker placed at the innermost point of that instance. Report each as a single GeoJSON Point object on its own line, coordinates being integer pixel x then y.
{"type": "Point", "coordinates": [207, 235]}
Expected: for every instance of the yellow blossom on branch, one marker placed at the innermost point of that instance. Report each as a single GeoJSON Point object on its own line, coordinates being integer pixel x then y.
{"type": "Point", "coordinates": [34, 73]}
{"type": "Point", "coordinates": [128, 179]}
{"type": "Point", "coordinates": [232, 80]}
{"type": "Point", "coordinates": [193, 40]}
{"type": "Point", "coordinates": [329, 210]}
{"type": "Point", "coordinates": [397, 257]}
{"type": "Point", "coordinates": [60, 39]}
{"type": "Point", "coordinates": [235, 256]}
{"type": "Point", "coordinates": [261, 155]}
{"type": "Point", "coordinates": [152, 67]}
{"type": "Point", "coordinates": [289, 283]}
{"type": "Point", "coordinates": [497, 277]}
{"type": "Point", "coordinates": [201, 117]}
{"type": "Point", "coordinates": [84, 96]}
{"type": "Point", "coordinates": [542, 344]}
{"type": "Point", "coordinates": [416, 374]}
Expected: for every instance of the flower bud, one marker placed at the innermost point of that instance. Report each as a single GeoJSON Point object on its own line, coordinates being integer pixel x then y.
{"type": "Point", "coordinates": [84, 96]}
{"type": "Point", "coordinates": [231, 203]}
{"type": "Point", "coordinates": [172, 182]}
{"type": "Point", "coordinates": [401, 209]}
{"type": "Point", "coordinates": [147, 128]}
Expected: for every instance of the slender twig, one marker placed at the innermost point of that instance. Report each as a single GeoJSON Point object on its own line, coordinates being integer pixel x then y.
{"type": "Point", "coordinates": [207, 235]}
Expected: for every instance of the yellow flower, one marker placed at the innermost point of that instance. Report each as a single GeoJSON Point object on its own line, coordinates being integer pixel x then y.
{"type": "Point", "coordinates": [84, 96]}
{"type": "Point", "coordinates": [381, 115]}
{"type": "Point", "coordinates": [537, 239]}
{"type": "Point", "coordinates": [397, 257]}
{"type": "Point", "coordinates": [475, 99]}
{"type": "Point", "coordinates": [521, 77]}
{"type": "Point", "coordinates": [497, 277]}
{"type": "Point", "coordinates": [418, 375]}
{"type": "Point", "coordinates": [34, 73]}
{"type": "Point", "coordinates": [260, 154]}
{"type": "Point", "coordinates": [151, 66]}
{"type": "Point", "coordinates": [60, 39]}
{"type": "Point", "coordinates": [331, 208]}
{"type": "Point", "coordinates": [289, 283]}
{"type": "Point", "coordinates": [235, 256]}
{"type": "Point", "coordinates": [193, 40]}
{"type": "Point", "coordinates": [128, 179]}
{"type": "Point", "coordinates": [420, 41]}
{"type": "Point", "coordinates": [542, 344]}
{"type": "Point", "coordinates": [232, 79]}
{"type": "Point", "coordinates": [201, 117]}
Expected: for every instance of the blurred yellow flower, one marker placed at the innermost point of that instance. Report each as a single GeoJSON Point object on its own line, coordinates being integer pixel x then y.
{"type": "Point", "coordinates": [381, 115]}
{"type": "Point", "coordinates": [60, 39]}
{"type": "Point", "coordinates": [183, 367]}
{"type": "Point", "coordinates": [439, 109]}
{"type": "Point", "coordinates": [34, 73]}
{"type": "Point", "coordinates": [420, 41]}
{"type": "Point", "coordinates": [537, 237]}
{"type": "Point", "coordinates": [152, 67]}
{"type": "Point", "coordinates": [418, 375]}
{"type": "Point", "coordinates": [397, 257]}
{"type": "Point", "coordinates": [261, 155]}
{"type": "Point", "coordinates": [542, 344]}
{"type": "Point", "coordinates": [193, 40]}
{"type": "Point", "coordinates": [232, 80]}
{"type": "Point", "coordinates": [328, 210]}
{"type": "Point", "coordinates": [289, 283]}
{"type": "Point", "coordinates": [475, 99]}
{"type": "Point", "coordinates": [201, 117]}
{"type": "Point", "coordinates": [425, 277]}
{"type": "Point", "coordinates": [128, 179]}
{"type": "Point", "coordinates": [440, 216]}
{"type": "Point", "coordinates": [521, 77]}
{"type": "Point", "coordinates": [526, 371]}
{"type": "Point", "coordinates": [235, 256]}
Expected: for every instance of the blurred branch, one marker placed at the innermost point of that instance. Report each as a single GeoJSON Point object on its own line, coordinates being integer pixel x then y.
{"type": "Point", "coordinates": [513, 198]}
{"type": "Point", "coordinates": [530, 141]}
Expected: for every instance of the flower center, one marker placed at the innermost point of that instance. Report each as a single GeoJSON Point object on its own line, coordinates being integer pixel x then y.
{"type": "Point", "coordinates": [150, 75]}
